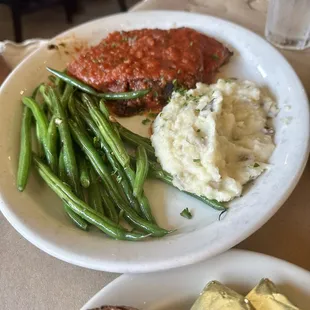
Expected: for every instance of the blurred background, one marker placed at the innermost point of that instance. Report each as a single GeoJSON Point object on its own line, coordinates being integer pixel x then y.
{"type": "Point", "coordinates": [27, 19]}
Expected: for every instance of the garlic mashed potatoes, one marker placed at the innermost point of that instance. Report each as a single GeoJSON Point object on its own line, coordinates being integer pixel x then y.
{"type": "Point", "coordinates": [215, 138]}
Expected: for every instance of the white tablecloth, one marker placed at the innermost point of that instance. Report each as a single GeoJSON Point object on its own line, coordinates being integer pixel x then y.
{"type": "Point", "coordinates": [30, 279]}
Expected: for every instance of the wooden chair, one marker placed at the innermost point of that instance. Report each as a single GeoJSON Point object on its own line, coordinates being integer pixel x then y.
{"type": "Point", "coordinates": [122, 5]}
{"type": "Point", "coordinates": [20, 7]}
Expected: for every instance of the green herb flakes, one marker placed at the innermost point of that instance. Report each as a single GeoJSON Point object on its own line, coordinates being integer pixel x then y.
{"type": "Point", "coordinates": [214, 56]}
{"type": "Point", "coordinates": [146, 121]}
{"type": "Point", "coordinates": [152, 115]}
{"type": "Point", "coordinates": [186, 213]}
{"type": "Point", "coordinates": [196, 160]}
{"type": "Point", "coordinates": [256, 165]}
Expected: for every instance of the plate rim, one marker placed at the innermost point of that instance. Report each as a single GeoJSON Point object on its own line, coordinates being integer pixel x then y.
{"type": "Point", "coordinates": [67, 256]}
{"type": "Point", "coordinates": [234, 251]}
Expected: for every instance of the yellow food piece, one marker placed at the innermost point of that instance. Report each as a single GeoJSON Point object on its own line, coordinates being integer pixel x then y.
{"type": "Point", "coordinates": [266, 296]}
{"type": "Point", "coordinates": [217, 296]}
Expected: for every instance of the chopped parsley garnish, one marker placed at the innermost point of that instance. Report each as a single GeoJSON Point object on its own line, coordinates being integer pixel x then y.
{"type": "Point", "coordinates": [196, 160]}
{"type": "Point", "coordinates": [113, 44]}
{"type": "Point", "coordinates": [146, 121]}
{"type": "Point", "coordinates": [155, 94]}
{"type": "Point", "coordinates": [197, 110]}
{"type": "Point", "coordinates": [214, 56]}
{"type": "Point", "coordinates": [153, 115]}
{"type": "Point", "coordinates": [186, 213]}
{"type": "Point", "coordinates": [256, 165]}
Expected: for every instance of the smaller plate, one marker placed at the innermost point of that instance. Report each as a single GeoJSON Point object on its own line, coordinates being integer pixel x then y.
{"type": "Point", "coordinates": [178, 288]}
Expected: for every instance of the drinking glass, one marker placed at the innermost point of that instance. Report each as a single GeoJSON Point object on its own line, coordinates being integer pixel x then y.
{"type": "Point", "coordinates": [288, 24]}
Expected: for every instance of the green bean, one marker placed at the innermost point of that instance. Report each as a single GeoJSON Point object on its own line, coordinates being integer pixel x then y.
{"type": "Point", "coordinates": [65, 136]}
{"type": "Point", "coordinates": [107, 132]}
{"type": "Point", "coordinates": [103, 108]}
{"type": "Point", "coordinates": [109, 206]}
{"type": "Point", "coordinates": [136, 140]}
{"type": "Point", "coordinates": [142, 167]}
{"type": "Point", "coordinates": [108, 182]}
{"type": "Point", "coordinates": [118, 150]}
{"type": "Point", "coordinates": [134, 137]}
{"type": "Point", "coordinates": [42, 124]}
{"type": "Point", "coordinates": [60, 85]}
{"type": "Point", "coordinates": [61, 167]}
{"type": "Point", "coordinates": [84, 173]}
{"type": "Point", "coordinates": [66, 95]}
{"type": "Point", "coordinates": [94, 192]}
{"type": "Point", "coordinates": [42, 90]}
{"type": "Point", "coordinates": [51, 143]}
{"type": "Point", "coordinates": [25, 150]}
{"type": "Point", "coordinates": [40, 149]}
{"type": "Point", "coordinates": [75, 115]}
{"type": "Point", "coordinates": [76, 219]}
{"type": "Point", "coordinates": [87, 89]}
{"type": "Point", "coordinates": [39, 116]}
{"type": "Point", "coordinates": [155, 171]}
{"type": "Point", "coordinates": [81, 208]}
{"type": "Point", "coordinates": [39, 140]}
{"type": "Point", "coordinates": [52, 78]}
{"type": "Point", "coordinates": [123, 181]}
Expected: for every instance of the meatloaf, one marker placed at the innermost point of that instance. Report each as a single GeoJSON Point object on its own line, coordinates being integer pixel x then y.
{"type": "Point", "coordinates": [149, 59]}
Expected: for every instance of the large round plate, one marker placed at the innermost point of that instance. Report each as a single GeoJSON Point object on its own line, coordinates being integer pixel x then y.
{"type": "Point", "coordinates": [38, 215]}
{"type": "Point", "coordinates": [178, 288]}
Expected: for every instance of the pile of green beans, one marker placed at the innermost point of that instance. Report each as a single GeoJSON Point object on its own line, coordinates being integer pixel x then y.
{"type": "Point", "coordinates": [81, 156]}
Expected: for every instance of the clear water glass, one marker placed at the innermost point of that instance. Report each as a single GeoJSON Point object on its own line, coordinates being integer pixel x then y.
{"type": "Point", "coordinates": [288, 24]}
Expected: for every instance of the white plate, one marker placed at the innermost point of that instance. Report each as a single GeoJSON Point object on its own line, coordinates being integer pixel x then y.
{"type": "Point", "coordinates": [178, 288]}
{"type": "Point", "coordinates": [38, 215]}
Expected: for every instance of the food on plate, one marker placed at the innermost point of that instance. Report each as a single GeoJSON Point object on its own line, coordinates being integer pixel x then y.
{"type": "Point", "coordinates": [217, 296]}
{"type": "Point", "coordinates": [148, 59]}
{"type": "Point", "coordinates": [209, 141]}
{"type": "Point", "coordinates": [264, 296]}
{"type": "Point", "coordinates": [83, 159]}
{"type": "Point", "coordinates": [267, 296]}
{"type": "Point", "coordinates": [215, 138]}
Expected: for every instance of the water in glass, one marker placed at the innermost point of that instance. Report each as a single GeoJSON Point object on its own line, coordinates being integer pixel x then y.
{"type": "Point", "coordinates": [288, 23]}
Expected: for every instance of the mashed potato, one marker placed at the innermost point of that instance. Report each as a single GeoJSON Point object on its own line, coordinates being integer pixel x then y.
{"type": "Point", "coordinates": [215, 138]}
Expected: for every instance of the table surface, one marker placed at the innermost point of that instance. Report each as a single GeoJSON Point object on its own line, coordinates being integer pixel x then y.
{"type": "Point", "coordinates": [31, 279]}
